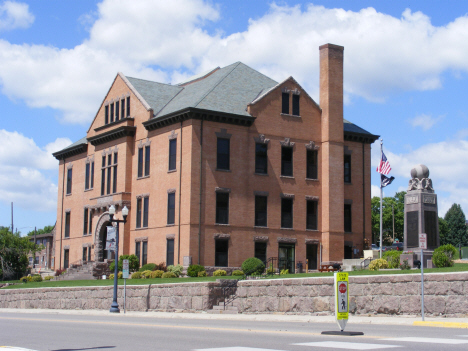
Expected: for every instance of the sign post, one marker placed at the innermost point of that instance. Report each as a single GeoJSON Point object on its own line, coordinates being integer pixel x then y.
{"type": "Point", "coordinates": [125, 274]}
{"type": "Point", "coordinates": [422, 246]}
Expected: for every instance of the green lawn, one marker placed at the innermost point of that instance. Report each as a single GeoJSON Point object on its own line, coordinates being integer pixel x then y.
{"type": "Point", "coordinates": [458, 267]}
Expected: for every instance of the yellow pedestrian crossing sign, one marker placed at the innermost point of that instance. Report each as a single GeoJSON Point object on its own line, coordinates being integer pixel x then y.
{"type": "Point", "coordinates": [341, 298]}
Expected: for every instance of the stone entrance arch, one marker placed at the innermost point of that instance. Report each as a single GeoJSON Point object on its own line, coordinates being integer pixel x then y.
{"type": "Point", "coordinates": [100, 236]}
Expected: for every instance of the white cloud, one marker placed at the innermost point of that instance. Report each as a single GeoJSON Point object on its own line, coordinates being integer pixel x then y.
{"type": "Point", "coordinates": [424, 121]}
{"type": "Point", "coordinates": [154, 41]}
{"type": "Point", "coordinates": [375, 191]}
{"type": "Point", "coordinates": [15, 15]}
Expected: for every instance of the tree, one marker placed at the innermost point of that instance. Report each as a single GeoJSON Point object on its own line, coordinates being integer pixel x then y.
{"type": "Point", "coordinates": [47, 229]}
{"type": "Point", "coordinates": [456, 222]}
{"type": "Point", "coordinates": [443, 231]}
{"type": "Point", "coordinates": [398, 202]}
{"type": "Point", "coordinates": [13, 254]}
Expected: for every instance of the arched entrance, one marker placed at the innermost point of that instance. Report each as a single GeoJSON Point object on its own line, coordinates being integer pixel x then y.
{"type": "Point", "coordinates": [100, 254]}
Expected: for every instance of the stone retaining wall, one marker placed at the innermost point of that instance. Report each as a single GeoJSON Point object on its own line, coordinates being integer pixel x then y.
{"type": "Point", "coordinates": [445, 294]}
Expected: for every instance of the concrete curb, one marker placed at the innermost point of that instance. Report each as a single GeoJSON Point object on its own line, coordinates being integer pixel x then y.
{"type": "Point", "coordinates": [440, 324]}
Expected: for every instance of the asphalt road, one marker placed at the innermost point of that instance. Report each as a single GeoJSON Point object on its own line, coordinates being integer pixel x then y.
{"type": "Point", "coordinates": [71, 332]}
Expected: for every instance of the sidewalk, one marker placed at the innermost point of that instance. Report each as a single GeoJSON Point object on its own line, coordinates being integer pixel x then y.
{"type": "Point", "coordinates": [274, 317]}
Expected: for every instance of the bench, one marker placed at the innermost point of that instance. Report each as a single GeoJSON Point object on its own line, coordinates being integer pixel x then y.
{"type": "Point", "coordinates": [329, 267]}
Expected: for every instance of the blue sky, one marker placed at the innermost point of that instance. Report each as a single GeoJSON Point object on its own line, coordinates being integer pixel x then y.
{"type": "Point", "coordinates": [406, 65]}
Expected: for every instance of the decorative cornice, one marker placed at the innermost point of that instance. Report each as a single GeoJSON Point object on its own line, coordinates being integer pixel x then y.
{"type": "Point", "coordinates": [113, 134]}
{"type": "Point", "coordinates": [312, 241]}
{"type": "Point", "coordinates": [144, 144]}
{"type": "Point", "coordinates": [261, 139]}
{"type": "Point", "coordinates": [223, 134]}
{"type": "Point", "coordinates": [87, 245]}
{"type": "Point", "coordinates": [311, 198]}
{"type": "Point", "coordinates": [173, 135]}
{"type": "Point", "coordinates": [260, 239]}
{"type": "Point", "coordinates": [360, 137]}
{"type": "Point", "coordinates": [72, 151]}
{"type": "Point", "coordinates": [287, 142]}
{"type": "Point", "coordinates": [261, 193]}
{"type": "Point", "coordinates": [69, 165]}
{"type": "Point", "coordinates": [112, 124]}
{"type": "Point", "coordinates": [287, 196]}
{"type": "Point", "coordinates": [171, 190]}
{"type": "Point", "coordinates": [90, 159]}
{"type": "Point", "coordinates": [170, 236]}
{"type": "Point", "coordinates": [311, 146]}
{"type": "Point", "coordinates": [285, 90]}
{"type": "Point", "coordinates": [140, 196]}
{"type": "Point", "coordinates": [67, 210]}
{"type": "Point", "coordinates": [287, 240]}
{"type": "Point", "coordinates": [222, 190]}
{"type": "Point", "coordinates": [221, 236]}
{"type": "Point", "coordinates": [141, 238]}
{"type": "Point", "coordinates": [195, 113]}
{"type": "Point", "coordinates": [296, 92]}
{"type": "Point", "coordinates": [66, 247]}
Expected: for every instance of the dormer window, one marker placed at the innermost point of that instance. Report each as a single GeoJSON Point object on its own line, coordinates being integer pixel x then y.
{"type": "Point", "coordinates": [106, 115]}
{"type": "Point", "coordinates": [295, 105]}
{"type": "Point", "coordinates": [285, 104]}
{"type": "Point", "coordinates": [117, 111]}
{"type": "Point", "coordinates": [111, 112]}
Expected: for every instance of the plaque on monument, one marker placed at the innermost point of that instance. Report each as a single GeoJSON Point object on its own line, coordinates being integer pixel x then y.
{"type": "Point", "coordinates": [421, 214]}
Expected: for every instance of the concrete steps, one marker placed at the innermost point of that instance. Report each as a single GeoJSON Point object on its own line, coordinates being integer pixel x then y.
{"type": "Point", "coordinates": [84, 272]}
{"type": "Point", "coordinates": [219, 309]}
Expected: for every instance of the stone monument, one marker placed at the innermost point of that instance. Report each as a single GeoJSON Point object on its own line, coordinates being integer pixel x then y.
{"type": "Point", "coordinates": [421, 214]}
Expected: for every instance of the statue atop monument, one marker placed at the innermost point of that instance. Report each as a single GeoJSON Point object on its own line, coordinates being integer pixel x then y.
{"type": "Point", "coordinates": [420, 179]}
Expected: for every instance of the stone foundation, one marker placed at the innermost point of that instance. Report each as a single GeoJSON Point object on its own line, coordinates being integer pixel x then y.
{"type": "Point", "coordinates": [445, 294]}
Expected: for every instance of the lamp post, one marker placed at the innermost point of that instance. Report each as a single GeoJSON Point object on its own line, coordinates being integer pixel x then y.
{"type": "Point", "coordinates": [115, 306]}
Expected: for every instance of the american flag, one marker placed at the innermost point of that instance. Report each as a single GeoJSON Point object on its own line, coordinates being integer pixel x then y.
{"type": "Point", "coordinates": [384, 165]}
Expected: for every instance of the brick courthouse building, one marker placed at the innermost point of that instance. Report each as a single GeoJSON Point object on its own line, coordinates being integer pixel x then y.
{"type": "Point", "coordinates": [226, 166]}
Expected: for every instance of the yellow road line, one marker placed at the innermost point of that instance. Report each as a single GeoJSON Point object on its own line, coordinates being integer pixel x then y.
{"type": "Point", "coordinates": [440, 324]}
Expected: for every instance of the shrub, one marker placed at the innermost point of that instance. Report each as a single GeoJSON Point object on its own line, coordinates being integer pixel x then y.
{"type": "Point", "coordinates": [161, 267]}
{"type": "Point", "coordinates": [133, 263]}
{"type": "Point", "coordinates": [36, 278]}
{"type": "Point", "coordinates": [59, 272]}
{"type": "Point", "coordinates": [157, 274]}
{"type": "Point", "coordinates": [219, 273]}
{"type": "Point", "coordinates": [377, 264]}
{"type": "Point", "coordinates": [405, 265]}
{"type": "Point", "coordinates": [136, 275]}
{"type": "Point", "coordinates": [393, 258]}
{"type": "Point", "coordinates": [169, 275]}
{"type": "Point", "coordinates": [443, 256]}
{"type": "Point", "coordinates": [148, 267]}
{"type": "Point", "coordinates": [271, 269]}
{"type": "Point", "coordinates": [49, 277]}
{"type": "Point", "coordinates": [146, 274]}
{"type": "Point", "coordinates": [175, 269]}
{"type": "Point", "coordinates": [111, 276]}
{"type": "Point", "coordinates": [253, 265]}
{"type": "Point", "coordinates": [237, 272]}
{"type": "Point", "coordinates": [202, 274]}
{"type": "Point", "coordinates": [194, 269]}
{"type": "Point", "coordinates": [284, 271]}
{"type": "Point", "coordinates": [120, 275]}
{"type": "Point", "coordinates": [24, 279]}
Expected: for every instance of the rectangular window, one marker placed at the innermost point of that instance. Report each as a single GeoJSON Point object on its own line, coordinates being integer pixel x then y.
{"type": "Point", "coordinates": [172, 154]}
{"type": "Point", "coordinates": [145, 211]}
{"type": "Point", "coordinates": [85, 253]}
{"type": "Point", "coordinates": [261, 251]}
{"type": "Point", "coordinates": [312, 164]}
{"type": "Point", "coordinates": [171, 208]}
{"type": "Point", "coordinates": [261, 161]}
{"type": "Point", "coordinates": [286, 213]}
{"type": "Point", "coordinates": [69, 181]}
{"type": "Point", "coordinates": [223, 154]}
{"type": "Point", "coordinates": [114, 185]}
{"type": "Point", "coordinates": [347, 168]}
{"type": "Point", "coordinates": [222, 208]}
{"type": "Point", "coordinates": [66, 258]}
{"type": "Point", "coordinates": [140, 162]}
{"type": "Point", "coordinates": [285, 103]}
{"type": "Point", "coordinates": [311, 221]}
{"type": "Point", "coordinates": [122, 105]}
{"type": "Point", "coordinates": [261, 211]}
{"type": "Point", "coordinates": [103, 181]}
{"type": "Point", "coordinates": [109, 177]}
{"type": "Point", "coordinates": [147, 161]}
{"type": "Point", "coordinates": [90, 230]}
{"type": "Point", "coordinates": [347, 218]}
{"type": "Point", "coordinates": [144, 254]}
{"type": "Point", "coordinates": [287, 161]}
{"type": "Point", "coordinates": [87, 169]}
{"type": "Point", "coordinates": [138, 214]}
{"type": "Point", "coordinates": [295, 107]}
{"type": "Point", "coordinates": [111, 113]}
{"type": "Point", "coordinates": [92, 176]}
{"type": "Point", "coordinates": [85, 221]}
{"type": "Point", "coordinates": [221, 253]}
{"type": "Point", "coordinates": [128, 106]}
{"type": "Point", "coordinates": [106, 115]}
{"type": "Point", "coordinates": [117, 110]}
{"type": "Point", "coordinates": [170, 252]}
{"type": "Point", "coordinates": [137, 251]}
{"type": "Point", "coordinates": [67, 224]}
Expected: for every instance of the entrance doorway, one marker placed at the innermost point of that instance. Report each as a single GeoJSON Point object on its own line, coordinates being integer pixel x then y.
{"type": "Point", "coordinates": [104, 254]}
{"type": "Point", "coordinates": [311, 255]}
{"type": "Point", "coordinates": [286, 254]}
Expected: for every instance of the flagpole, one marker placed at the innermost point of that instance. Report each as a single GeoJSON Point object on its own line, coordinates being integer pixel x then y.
{"type": "Point", "coordinates": [381, 192]}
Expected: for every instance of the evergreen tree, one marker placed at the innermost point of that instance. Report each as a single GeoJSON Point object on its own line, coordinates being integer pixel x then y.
{"type": "Point", "coordinates": [456, 223]}
{"type": "Point", "coordinates": [398, 202]}
{"type": "Point", "coordinates": [443, 231]}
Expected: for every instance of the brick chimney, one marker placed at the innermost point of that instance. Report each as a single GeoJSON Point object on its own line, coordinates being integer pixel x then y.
{"type": "Point", "coordinates": [332, 199]}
